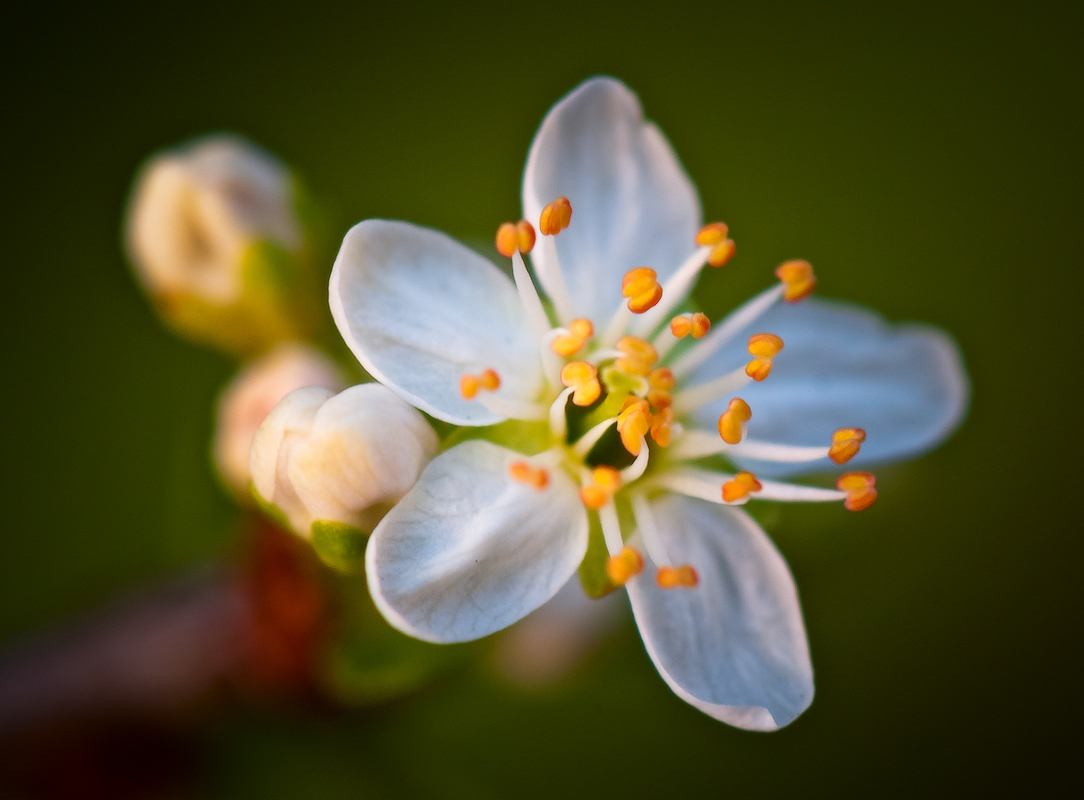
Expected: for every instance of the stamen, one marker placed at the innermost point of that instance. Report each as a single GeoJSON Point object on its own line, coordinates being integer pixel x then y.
{"type": "Point", "coordinates": [470, 385]}
{"type": "Point", "coordinates": [624, 565]}
{"type": "Point", "coordinates": [660, 427]}
{"type": "Point", "coordinates": [722, 248]}
{"type": "Point", "coordinates": [604, 483]}
{"type": "Point", "coordinates": [705, 484]}
{"type": "Point", "coordinates": [515, 236]}
{"type": "Point", "coordinates": [685, 324]}
{"type": "Point", "coordinates": [584, 378]}
{"type": "Point", "coordinates": [673, 577]}
{"type": "Point", "coordinates": [639, 356]}
{"type": "Point", "coordinates": [574, 338]}
{"type": "Point", "coordinates": [528, 297]}
{"type": "Point", "coordinates": [641, 287]}
{"type": "Point", "coordinates": [633, 423]}
{"type": "Point", "coordinates": [740, 487]}
{"type": "Point", "coordinates": [590, 439]}
{"type": "Point", "coordinates": [552, 279]}
{"type": "Point", "coordinates": [637, 467]}
{"type": "Point", "coordinates": [859, 489]}
{"type": "Point", "coordinates": [722, 333]}
{"type": "Point", "coordinates": [558, 418]}
{"type": "Point", "coordinates": [732, 421]}
{"type": "Point", "coordinates": [697, 444]}
{"type": "Point", "coordinates": [846, 442]}
{"type": "Point", "coordinates": [688, 399]}
{"type": "Point", "coordinates": [764, 346]}
{"type": "Point", "coordinates": [555, 217]}
{"type": "Point", "coordinates": [798, 280]}
{"type": "Point", "coordinates": [660, 383]}
{"type": "Point", "coordinates": [523, 472]}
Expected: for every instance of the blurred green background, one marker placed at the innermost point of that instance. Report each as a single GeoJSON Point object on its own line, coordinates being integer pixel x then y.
{"type": "Point", "coordinates": [926, 160]}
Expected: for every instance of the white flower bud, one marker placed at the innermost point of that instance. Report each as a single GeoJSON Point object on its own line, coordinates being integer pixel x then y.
{"type": "Point", "coordinates": [345, 458]}
{"type": "Point", "coordinates": [251, 395]}
{"type": "Point", "coordinates": [195, 220]}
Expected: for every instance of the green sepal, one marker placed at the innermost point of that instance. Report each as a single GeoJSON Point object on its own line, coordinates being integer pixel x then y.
{"type": "Point", "coordinates": [371, 662]}
{"type": "Point", "coordinates": [593, 577]}
{"type": "Point", "coordinates": [270, 509]}
{"type": "Point", "coordinates": [523, 437]}
{"type": "Point", "coordinates": [340, 546]}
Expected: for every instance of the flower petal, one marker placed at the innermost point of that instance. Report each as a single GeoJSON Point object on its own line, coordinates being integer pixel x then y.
{"type": "Point", "coordinates": [844, 367]}
{"type": "Point", "coordinates": [632, 203]}
{"type": "Point", "coordinates": [469, 551]}
{"type": "Point", "coordinates": [419, 310]}
{"type": "Point", "coordinates": [734, 646]}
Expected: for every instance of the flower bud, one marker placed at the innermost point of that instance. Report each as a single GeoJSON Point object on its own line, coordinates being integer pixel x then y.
{"type": "Point", "coordinates": [346, 457]}
{"type": "Point", "coordinates": [216, 241]}
{"type": "Point", "coordinates": [251, 395]}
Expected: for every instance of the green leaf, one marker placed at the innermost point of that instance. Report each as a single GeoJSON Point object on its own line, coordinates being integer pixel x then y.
{"type": "Point", "coordinates": [340, 546]}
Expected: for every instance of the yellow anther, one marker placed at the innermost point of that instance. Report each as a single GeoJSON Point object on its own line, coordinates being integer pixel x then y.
{"type": "Point", "coordinates": [584, 377]}
{"type": "Point", "coordinates": [660, 426]}
{"type": "Point", "coordinates": [470, 385]}
{"type": "Point", "coordinates": [513, 236]}
{"type": "Point", "coordinates": [730, 421]}
{"type": "Point", "coordinates": [605, 481]}
{"type": "Point", "coordinates": [639, 357]}
{"type": "Point", "coordinates": [765, 344]}
{"type": "Point", "coordinates": [633, 423]}
{"type": "Point", "coordinates": [685, 324]}
{"type": "Point", "coordinates": [722, 253]}
{"type": "Point", "coordinates": [759, 368]}
{"type": "Point", "coordinates": [673, 577]}
{"type": "Point", "coordinates": [624, 565]}
{"type": "Point", "coordinates": [742, 485]}
{"type": "Point", "coordinates": [798, 278]}
{"type": "Point", "coordinates": [859, 489]}
{"type": "Point", "coordinates": [555, 217]}
{"type": "Point", "coordinates": [523, 472]}
{"type": "Point", "coordinates": [712, 233]}
{"type": "Point", "coordinates": [641, 287]}
{"type": "Point", "coordinates": [846, 442]}
{"type": "Point", "coordinates": [661, 382]}
{"type": "Point", "coordinates": [568, 344]}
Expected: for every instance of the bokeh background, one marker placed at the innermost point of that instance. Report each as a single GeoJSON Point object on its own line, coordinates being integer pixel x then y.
{"type": "Point", "coordinates": [927, 160]}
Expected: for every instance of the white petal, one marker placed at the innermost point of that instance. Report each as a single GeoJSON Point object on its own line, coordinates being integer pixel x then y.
{"type": "Point", "coordinates": [366, 447]}
{"type": "Point", "coordinates": [632, 203]}
{"type": "Point", "coordinates": [294, 413]}
{"type": "Point", "coordinates": [844, 367]}
{"type": "Point", "coordinates": [735, 645]}
{"type": "Point", "coordinates": [419, 310]}
{"type": "Point", "coordinates": [469, 551]}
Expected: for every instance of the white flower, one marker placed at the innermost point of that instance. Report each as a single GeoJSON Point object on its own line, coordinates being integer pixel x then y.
{"type": "Point", "coordinates": [343, 457]}
{"type": "Point", "coordinates": [197, 220]}
{"type": "Point", "coordinates": [251, 395]}
{"type": "Point", "coordinates": [489, 533]}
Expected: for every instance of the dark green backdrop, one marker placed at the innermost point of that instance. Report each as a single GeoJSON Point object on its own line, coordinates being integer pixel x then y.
{"type": "Point", "coordinates": [926, 160]}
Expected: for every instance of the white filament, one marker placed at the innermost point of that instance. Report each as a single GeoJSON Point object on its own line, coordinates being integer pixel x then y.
{"type": "Point", "coordinates": [554, 281]}
{"type": "Point", "coordinates": [589, 439]}
{"type": "Point", "coordinates": [611, 528]}
{"type": "Point", "coordinates": [637, 467]}
{"type": "Point", "coordinates": [558, 420]}
{"type": "Point", "coordinates": [698, 443]}
{"type": "Point", "coordinates": [649, 532]}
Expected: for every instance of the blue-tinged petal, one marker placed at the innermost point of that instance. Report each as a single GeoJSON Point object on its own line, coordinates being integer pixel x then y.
{"type": "Point", "coordinates": [843, 366]}
{"type": "Point", "coordinates": [419, 310]}
{"type": "Point", "coordinates": [469, 551]}
{"type": "Point", "coordinates": [734, 646]}
{"type": "Point", "coordinates": [632, 203]}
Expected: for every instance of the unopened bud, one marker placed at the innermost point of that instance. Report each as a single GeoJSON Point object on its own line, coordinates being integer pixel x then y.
{"type": "Point", "coordinates": [345, 458]}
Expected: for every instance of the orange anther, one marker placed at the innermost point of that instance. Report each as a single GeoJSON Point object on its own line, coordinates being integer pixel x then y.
{"type": "Point", "coordinates": [673, 577]}
{"type": "Point", "coordinates": [659, 398]}
{"type": "Point", "coordinates": [759, 368]}
{"type": "Point", "coordinates": [633, 423]}
{"type": "Point", "coordinates": [555, 217]}
{"type": "Point", "coordinates": [639, 357]}
{"type": "Point", "coordinates": [579, 331]}
{"type": "Point", "coordinates": [712, 233]}
{"type": "Point", "coordinates": [584, 377]}
{"type": "Point", "coordinates": [846, 442]}
{"type": "Point", "coordinates": [605, 481]}
{"type": "Point", "coordinates": [593, 497]}
{"type": "Point", "coordinates": [684, 324]}
{"type": "Point", "coordinates": [470, 385]}
{"type": "Point", "coordinates": [722, 253]}
{"type": "Point", "coordinates": [859, 489]}
{"type": "Point", "coordinates": [730, 421]}
{"type": "Point", "coordinates": [642, 287]}
{"type": "Point", "coordinates": [660, 426]}
{"type": "Point", "coordinates": [624, 565]}
{"type": "Point", "coordinates": [765, 344]}
{"type": "Point", "coordinates": [523, 472]}
{"type": "Point", "coordinates": [661, 379]}
{"type": "Point", "coordinates": [513, 236]}
{"type": "Point", "coordinates": [740, 486]}
{"type": "Point", "coordinates": [798, 278]}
